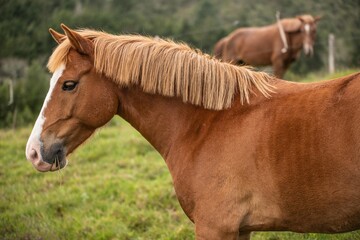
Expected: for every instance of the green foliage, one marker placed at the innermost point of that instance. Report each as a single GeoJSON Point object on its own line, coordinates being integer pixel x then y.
{"type": "Point", "coordinates": [24, 23]}
{"type": "Point", "coordinates": [24, 33]}
{"type": "Point", "coordinates": [115, 187]}
{"type": "Point", "coordinates": [4, 107]}
{"type": "Point", "coordinates": [29, 94]}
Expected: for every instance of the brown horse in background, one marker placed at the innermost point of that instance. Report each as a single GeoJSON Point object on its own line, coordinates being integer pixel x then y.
{"type": "Point", "coordinates": [261, 46]}
{"type": "Point", "coordinates": [240, 160]}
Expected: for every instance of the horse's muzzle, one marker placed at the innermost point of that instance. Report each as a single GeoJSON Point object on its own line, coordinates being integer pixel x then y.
{"type": "Point", "coordinates": [308, 49]}
{"type": "Point", "coordinates": [46, 159]}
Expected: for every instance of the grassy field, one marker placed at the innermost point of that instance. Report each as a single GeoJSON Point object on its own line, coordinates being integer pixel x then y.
{"type": "Point", "coordinates": [318, 76]}
{"type": "Point", "coordinates": [116, 186]}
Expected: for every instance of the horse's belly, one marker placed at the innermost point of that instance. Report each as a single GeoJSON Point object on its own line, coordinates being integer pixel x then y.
{"type": "Point", "coordinates": [335, 215]}
{"type": "Point", "coordinates": [303, 225]}
{"type": "Point", "coordinates": [323, 217]}
{"type": "Point", "coordinates": [257, 58]}
{"type": "Point", "coordinates": [338, 225]}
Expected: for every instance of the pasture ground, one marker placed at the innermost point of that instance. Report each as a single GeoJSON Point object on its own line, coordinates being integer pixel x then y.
{"type": "Point", "coordinates": [115, 187]}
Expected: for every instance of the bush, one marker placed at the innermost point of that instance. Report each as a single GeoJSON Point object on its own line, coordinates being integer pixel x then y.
{"type": "Point", "coordinates": [29, 94]}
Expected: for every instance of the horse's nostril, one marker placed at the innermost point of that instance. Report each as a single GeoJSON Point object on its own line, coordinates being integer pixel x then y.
{"type": "Point", "coordinates": [33, 154]}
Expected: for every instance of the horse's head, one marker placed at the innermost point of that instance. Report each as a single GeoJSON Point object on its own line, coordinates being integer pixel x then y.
{"type": "Point", "coordinates": [305, 26]}
{"type": "Point", "coordinates": [308, 31]}
{"type": "Point", "coordinates": [79, 101]}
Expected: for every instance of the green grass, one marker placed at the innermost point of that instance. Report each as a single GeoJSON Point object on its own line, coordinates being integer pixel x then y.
{"type": "Point", "coordinates": [319, 76]}
{"type": "Point", "coordinates": [115, 187]}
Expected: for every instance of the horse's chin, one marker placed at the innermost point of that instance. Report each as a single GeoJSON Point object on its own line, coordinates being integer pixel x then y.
{"type": "Point", "coordinates": [60, 165]}
{"type": "Point", "coordinates": [42, 166]}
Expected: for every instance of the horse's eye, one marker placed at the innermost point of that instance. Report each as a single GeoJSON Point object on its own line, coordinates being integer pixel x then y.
{"type": "Point", "coordinates": [69, 85]}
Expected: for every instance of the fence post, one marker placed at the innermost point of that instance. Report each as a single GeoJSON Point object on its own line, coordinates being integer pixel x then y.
{"type": "Point", "coordinates": [11, 92]}
{"type": "Point", "coordinates": [331, 53]}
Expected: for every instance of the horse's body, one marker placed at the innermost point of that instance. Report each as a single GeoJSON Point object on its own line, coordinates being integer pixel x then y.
{"type": "Point", "coordinates": [279, 164]}
{"type": "Point", "coordinates": [262, 46]}
{"type": "Point", "coordinates": [289, 162]}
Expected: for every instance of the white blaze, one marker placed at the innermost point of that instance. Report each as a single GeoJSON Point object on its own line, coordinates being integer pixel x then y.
{"type": "Point", "coordinates": [34, 139]}
{"type": "Point", "coordinates": [307, 44]}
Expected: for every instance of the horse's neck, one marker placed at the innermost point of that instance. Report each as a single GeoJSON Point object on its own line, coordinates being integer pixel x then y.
{"type": "Point", "coordinates": [168, 122]}
{"type": "Point", "coordinates": [161, 120]}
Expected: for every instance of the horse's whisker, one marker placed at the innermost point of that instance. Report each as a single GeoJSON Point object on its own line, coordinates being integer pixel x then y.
{"type": "Point", "coordinates": [59, 169]}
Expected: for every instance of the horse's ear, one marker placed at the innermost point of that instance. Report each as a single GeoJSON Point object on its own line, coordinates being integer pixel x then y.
{"type": "Point", "coordinates": [81, 44]}
{"type": "Point", "coordinates": [291, 24]}
{"type": "Point", "coordinates": [58, 37]}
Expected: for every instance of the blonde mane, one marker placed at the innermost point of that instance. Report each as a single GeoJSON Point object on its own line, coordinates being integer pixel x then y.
{"type": "Point", "coordinates": [167, 68]}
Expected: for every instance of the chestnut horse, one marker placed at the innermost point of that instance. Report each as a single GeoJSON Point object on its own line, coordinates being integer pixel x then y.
{"type": "Point", "coordinates": [240, 159]}
{"type": "Point", "coordinates": [263, 46]}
